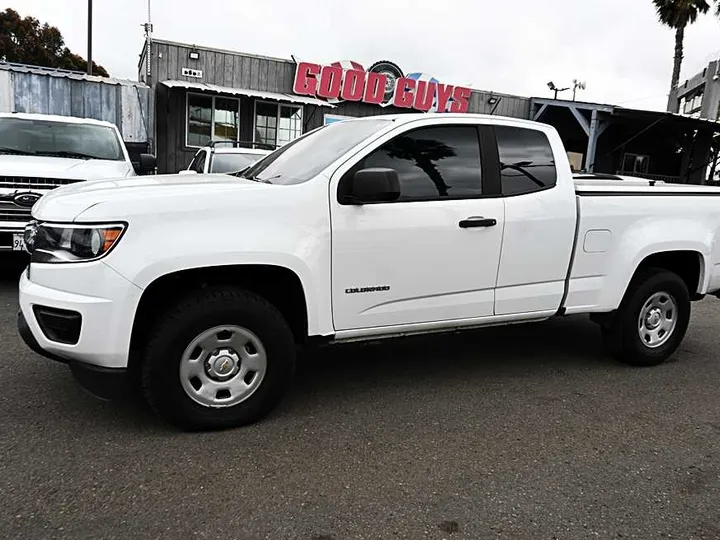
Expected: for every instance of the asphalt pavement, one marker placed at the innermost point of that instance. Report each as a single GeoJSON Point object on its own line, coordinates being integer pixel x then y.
{"type": "Point", "coordinates": [521, 432]}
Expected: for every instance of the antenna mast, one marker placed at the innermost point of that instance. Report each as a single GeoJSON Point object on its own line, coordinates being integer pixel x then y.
{"type": "Point", "coordinates": [148, 44]}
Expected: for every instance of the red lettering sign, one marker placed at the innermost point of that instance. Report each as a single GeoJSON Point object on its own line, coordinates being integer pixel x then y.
{"type": "Point", "coordinates": [353, 85]}
{"type": "Point", "coordinates": [444, 92]}
{"type": "Point", "coordinates": [349, 82]}
{"type": "Point", "coordinates": [461, 100]}
{"type": "Point", "coordinates": [375, 89]}
{"type": "Point", "coordinates": [404, 93]}
{"type": "Point", "coordinates": [305, 81]}
{"type": "Point", "coordinates": [330, 82]}
{"type": "Point", "coordinates": [425, 95]}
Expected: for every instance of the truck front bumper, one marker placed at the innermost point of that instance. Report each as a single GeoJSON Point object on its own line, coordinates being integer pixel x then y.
{"type": "Point", "coordinates": [78, 313]}
{"type": "Point", "coordinates": [104, 383]}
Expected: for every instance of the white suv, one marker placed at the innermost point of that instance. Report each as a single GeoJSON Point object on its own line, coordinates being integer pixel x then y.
{"type": "Point", "coordinates": [40, 152]}
{"type": "Point", "coordinates": [222, 157]}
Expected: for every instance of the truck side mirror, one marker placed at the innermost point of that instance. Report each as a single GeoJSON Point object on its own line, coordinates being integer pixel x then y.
{"type": "Point", "coordinates": [148, 163]}
{"type": "Point", "coordinates": [372, 186]}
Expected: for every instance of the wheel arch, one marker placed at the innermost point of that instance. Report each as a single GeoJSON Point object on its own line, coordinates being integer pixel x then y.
{"type": "Point", "coordinates": [279, 285]}
{"type": "Point", "coordinates": [689, 264]}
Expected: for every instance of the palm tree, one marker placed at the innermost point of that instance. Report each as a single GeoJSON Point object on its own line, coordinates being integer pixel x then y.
{"type": "Point", "coordinates": [678, 14]}
{"type": "Point", "coordinates": [425, 153]}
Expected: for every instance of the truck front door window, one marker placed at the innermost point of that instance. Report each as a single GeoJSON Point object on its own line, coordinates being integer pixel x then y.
{"type": "Point", "coordinates": [527, 163]}
{"type": "Point", "coordinates": [433, 163]}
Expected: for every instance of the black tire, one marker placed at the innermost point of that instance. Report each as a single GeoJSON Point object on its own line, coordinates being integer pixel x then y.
{"type": "Point", "coordinates": [621, 338]}
{"type": "Point", "coordinates": [393, 72]}
{"type": "Point", "coordinates": [198, 312]}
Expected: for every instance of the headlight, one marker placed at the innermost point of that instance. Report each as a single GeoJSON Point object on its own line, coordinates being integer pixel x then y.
{"type": "Point", "coordinates": [60, 243]}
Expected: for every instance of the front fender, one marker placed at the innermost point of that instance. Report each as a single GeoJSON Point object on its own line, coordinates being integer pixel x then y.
{"type": "Point", "coordinates": [292, 234]}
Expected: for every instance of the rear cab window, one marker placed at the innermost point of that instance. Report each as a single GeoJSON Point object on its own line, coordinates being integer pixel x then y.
{"type": "Point", "coordinates": [527, 162]}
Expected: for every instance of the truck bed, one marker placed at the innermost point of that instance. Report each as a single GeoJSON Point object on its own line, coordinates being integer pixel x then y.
{"type": "Point", "coordinates": [617, 219]}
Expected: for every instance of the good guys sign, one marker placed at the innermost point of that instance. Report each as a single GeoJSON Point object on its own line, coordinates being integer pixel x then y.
{"type": "Point", "coordinates": [383, 84]}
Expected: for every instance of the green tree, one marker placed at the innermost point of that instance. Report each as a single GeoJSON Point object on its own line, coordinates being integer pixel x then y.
{"type": "Point", "coordinates": [678, 14]}
{"type": "Point", "coordinates": [26, 41]}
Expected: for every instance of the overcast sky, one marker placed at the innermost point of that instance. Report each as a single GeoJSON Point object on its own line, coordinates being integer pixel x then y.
{"type": "Point", "coordinates": [513, 47]}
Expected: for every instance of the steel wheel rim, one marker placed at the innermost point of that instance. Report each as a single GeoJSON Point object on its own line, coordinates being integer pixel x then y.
{"type": "Point", "coordinates": [223, 366]}
{"type": "Point", "coordinates": [658, 320]}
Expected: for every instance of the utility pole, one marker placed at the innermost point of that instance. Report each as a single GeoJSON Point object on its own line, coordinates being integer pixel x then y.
{"type": "Point", "coordinates": [148, 46]}
{"type": "Point", "coordinates": [90, 29]}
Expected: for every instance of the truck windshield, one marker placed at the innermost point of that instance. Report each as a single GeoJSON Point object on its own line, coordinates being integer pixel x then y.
{"type": "Point", "coordinates": [226, 163]}
{"type": "Point", "coordinates": [24, 136]}
{"type": "Point", "coordinates": [302, 159]}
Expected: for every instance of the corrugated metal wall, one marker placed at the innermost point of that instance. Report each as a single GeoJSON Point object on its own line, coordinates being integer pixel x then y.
{"type": "Point", "coordinates": [124, 103]}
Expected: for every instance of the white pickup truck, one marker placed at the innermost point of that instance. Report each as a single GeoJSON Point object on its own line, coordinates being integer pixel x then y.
{"type": "Point", "coordinates": [39, 152]}
{"type": "Point", "coordinates": [205, 285]}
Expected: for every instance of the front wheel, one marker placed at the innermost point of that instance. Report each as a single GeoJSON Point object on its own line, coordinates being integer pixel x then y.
{"type": "Point", "coordinates": [651, 321]}
{"type": "Point", "coordinates": [221, 358]}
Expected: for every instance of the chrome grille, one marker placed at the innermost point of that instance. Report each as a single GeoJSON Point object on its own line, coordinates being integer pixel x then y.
{"type": "Point", "coordinates": [34, 182]}
{"type": "Point", "coordinates": [10, 212]}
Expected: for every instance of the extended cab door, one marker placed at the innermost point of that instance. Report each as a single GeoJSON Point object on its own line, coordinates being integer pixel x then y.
{"type": "Point", "coordinates": [432, 255]}
{"type": "Point", "coordinates": [540, 217]}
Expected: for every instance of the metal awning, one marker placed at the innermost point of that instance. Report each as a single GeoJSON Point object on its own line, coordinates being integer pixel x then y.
{"type": "Point", "coordinates": [276, 96]}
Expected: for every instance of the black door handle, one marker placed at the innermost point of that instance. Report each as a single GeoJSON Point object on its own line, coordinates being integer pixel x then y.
{"type": "Point", "coordinates": [477, 222]}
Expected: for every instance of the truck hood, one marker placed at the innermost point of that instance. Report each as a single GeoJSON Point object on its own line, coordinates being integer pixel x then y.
{"type": "Point", "coordinates": [119, 199]}
{"type": "Point", "coordinates": [56, 167]}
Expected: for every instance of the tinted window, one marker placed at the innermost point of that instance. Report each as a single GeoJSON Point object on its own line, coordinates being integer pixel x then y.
{"type": "Point", "coordinates": [527, 163]}
{"type": "Point", "coordinates": [59, 139]}
{"type": "Point", "coordinates": [433, 163]}
{"type": "Point", "coordinates": [226, 163]}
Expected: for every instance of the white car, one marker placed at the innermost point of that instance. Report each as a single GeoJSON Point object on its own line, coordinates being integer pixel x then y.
{"type": "Point", "coordinates": [363, 229]}
{"type": "Point", "coordinates": [225, 157]}
{"type": "Point", "coordinates": [41, 152]}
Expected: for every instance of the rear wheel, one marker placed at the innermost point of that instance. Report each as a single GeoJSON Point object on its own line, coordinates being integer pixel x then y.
{"type": "Point", "coordinates": [651, 321]}
{"type": "Point", "coordinates": [221, 358]}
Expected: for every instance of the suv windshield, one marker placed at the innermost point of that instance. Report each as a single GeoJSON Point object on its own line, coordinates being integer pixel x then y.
{"type": "Point", "coordinates": [225, 163]}
{"type": "Point", "coordinates": [22, 136]}
{"type": "Point", "coordinates": [302, 159]}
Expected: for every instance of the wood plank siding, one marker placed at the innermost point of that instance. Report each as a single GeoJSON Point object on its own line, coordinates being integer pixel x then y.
{"type": "Point", "coordinates": [246, 71]}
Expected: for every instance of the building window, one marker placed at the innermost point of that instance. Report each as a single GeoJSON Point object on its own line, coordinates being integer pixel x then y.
{"type": "Point", "coordinates": [212, 118]}
{"type": "Point", "coordinates": [276, 124]}
{"type": "Point", "coordinates": [692, 103]}
{"type": "Point", "coordinates": [636, 163]}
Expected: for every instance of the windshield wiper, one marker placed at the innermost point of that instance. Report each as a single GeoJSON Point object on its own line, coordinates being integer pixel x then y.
{"type": "Point", "coordinates": [255, 178]}
{"type": "Point", "coordinates": [266, 180]}
{"type": "Point", "coordinates": [16, 151]}
{"type": "Point", "coordinates": [65, 154]}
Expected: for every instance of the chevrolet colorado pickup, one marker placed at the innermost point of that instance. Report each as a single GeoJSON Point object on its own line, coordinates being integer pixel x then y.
{"type": "Point", "coordinates": [39, 152]}
{"type": "Point", "coordinates": [204, 286]}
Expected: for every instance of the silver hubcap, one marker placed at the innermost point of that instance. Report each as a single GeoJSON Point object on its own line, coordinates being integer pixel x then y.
{"type": "Point", "coordinates": [223, 366]}
{"type": "Point", "coordinates": [658, 319]}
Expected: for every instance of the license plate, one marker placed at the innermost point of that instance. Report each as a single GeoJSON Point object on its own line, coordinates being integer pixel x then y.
{"type": "Point", "coordinates": [18, 242]}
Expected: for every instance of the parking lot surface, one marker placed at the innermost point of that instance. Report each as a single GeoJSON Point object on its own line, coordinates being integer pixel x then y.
{"type": "Point", "coordinates": [513, 432]}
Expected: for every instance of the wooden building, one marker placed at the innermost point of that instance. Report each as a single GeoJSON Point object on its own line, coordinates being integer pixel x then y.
{"type": "Point", "coordinates": [204, 94]}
